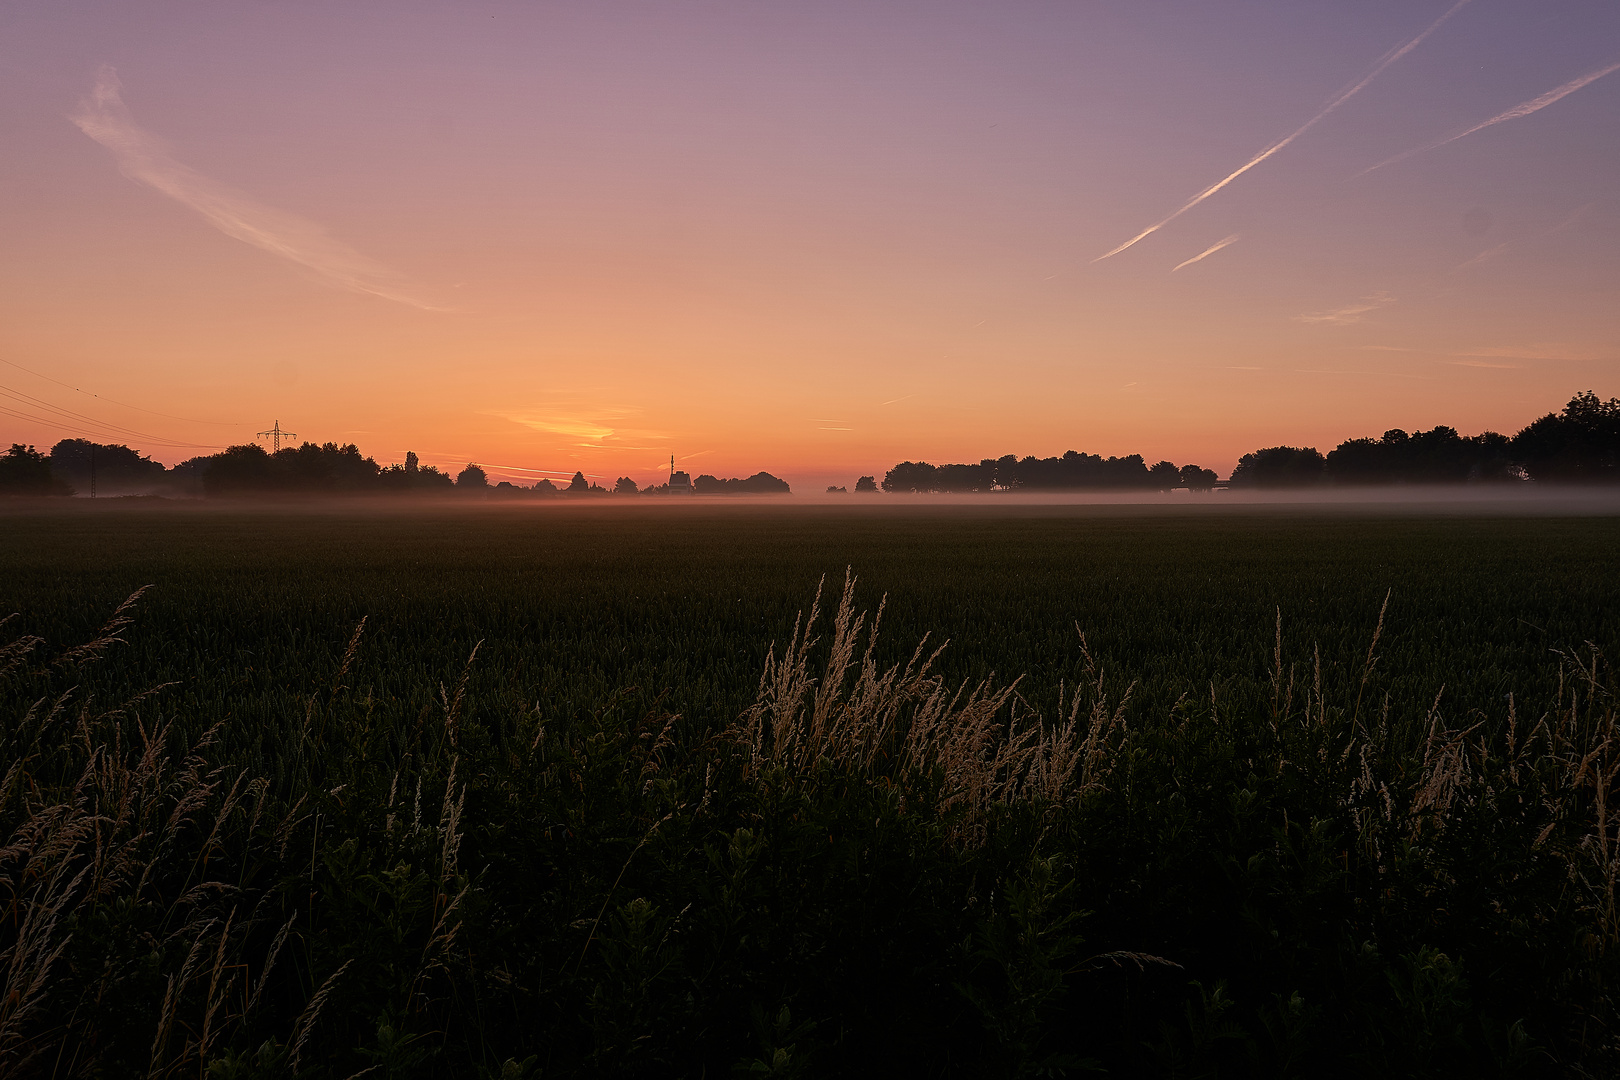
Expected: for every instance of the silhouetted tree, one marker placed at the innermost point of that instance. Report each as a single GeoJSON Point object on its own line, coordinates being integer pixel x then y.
{"type": "Point", "coordinates": [913, 476]}
{"type": "Point", "coordinates": [472, 478]}
{"type": "Point", "coordinates": [1437, 456]}
{"type": "Point", "coordinates": [1581, 444]}
{"type": "Point", "coordinates": [186, 478]}
{"type": "Point", "coordinates": [834, 489]}
{"type": "Point", "coordinates": [578, 485]}
{"type": "Point", "coordinates": [545, 487]}
{"type": "Point", "coordinates": [413, 476]}
{"type": "Point", "coordinates": [1194, 478]}
{"type": "Point", "coordinates": [1279, 466]}
{"type": "Point", "coordinates": [239, 470]}
{"type": "Point", "coordinates": [1165, 476]}
{"type": "Point", "coordinates": [624, 486]}
{"type": "Point", "coordinates": [323, 468]}
{"type": "Point", "coordinates": [26, 471]}
{"type": "Point", "coordinates": [116, 468]}
{"type": "Point", "coordinates": [866, 483]}
{"type": "Point", "coordinates": [761, 483]}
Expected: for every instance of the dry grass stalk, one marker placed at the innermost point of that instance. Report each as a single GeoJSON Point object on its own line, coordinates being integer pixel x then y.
{"type": "Point", "coordinates": [903, 720]}
{"type": "Point", "coordinates": [106, 809]}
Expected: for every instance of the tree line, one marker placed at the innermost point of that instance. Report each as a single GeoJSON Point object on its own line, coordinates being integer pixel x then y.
{"type": "Point", "coordinates": [1580, 444]}
{"type": "Point", "coordinates": [79, 466]}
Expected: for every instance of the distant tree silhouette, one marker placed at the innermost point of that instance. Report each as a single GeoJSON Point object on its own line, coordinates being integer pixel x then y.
{"type": "Point", "coordinates": [117, 469]}
{"type": "Point", "coordinates": [761, 483]}
{"type": "Point", "coordinates": [1580, 444]}
{"type": "Point", "coordinates": [1437, 456]}
{"type": "Point", "coordinates": [306, 469]}
{"type": "Point", "coordinates": [866, 483]}
{"type": "Point", "coordinates": [578, 485]}
{"type": "Point", "coordinates": [624, 486]}
{"type": "Point", "coordinates": [1279, 467]}
{"type": "Point", "coordinates": [1195, 479]}
{"type": "Point", "coordinates": [26, 471]}
{"type": "Point", "coordinates": [239, 470]}
{"type": "Point", "coordinates": [472, 479]}
{"type": "Point", "coordinates": [545, 487]}
{"type": "Point", "coordinates": [1072, 472]}
{"type": "Point", "coordinates": [1165, 476]}
{"type": "Point", "coordinates": [327, 467]}
{"type": "Point", "coordinates": [834, 489]}
{"type": "Point", "coordinates": [413, 477]}
{"type": "Point", "coordinates": [922, 477]}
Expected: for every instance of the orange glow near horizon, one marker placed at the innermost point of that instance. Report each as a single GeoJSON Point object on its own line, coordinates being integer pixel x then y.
{"type": "Point", "coordinates": [809, 241]}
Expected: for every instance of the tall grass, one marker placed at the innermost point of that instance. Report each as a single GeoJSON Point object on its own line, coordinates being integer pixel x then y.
{"type": "Point", "coordinates": [870, 869]}
{"type": "Point", "coordinates": [895, 725]}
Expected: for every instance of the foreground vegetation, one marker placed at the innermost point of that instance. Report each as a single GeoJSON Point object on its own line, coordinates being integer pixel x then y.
{"type": "Point", "coordinates": [636, 838]}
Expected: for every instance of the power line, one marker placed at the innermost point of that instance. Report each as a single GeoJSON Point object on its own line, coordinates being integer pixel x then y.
{"type": "Point", "coordinates": [103, 429]}
{"type": "Point", "coordinates": [89, 432]}
{"type": "Point", "coordinates": [99, 397]}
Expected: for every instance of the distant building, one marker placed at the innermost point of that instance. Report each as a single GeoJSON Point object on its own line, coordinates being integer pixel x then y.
{"type": "Point", "coordinates": [679, 483]}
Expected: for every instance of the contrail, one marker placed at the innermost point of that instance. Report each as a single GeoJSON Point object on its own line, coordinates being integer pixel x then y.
{"type": "Point", "coordinates": [1535, 104]}
{"type": "Point", "coordinates": [1344, 95]}
{"type": "Point", "coordinates": [141, 157]}
{"type": "Point", "coordinates": [1207, 252]}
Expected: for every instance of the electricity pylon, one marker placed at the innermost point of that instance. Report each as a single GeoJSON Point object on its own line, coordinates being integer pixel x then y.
{"type": "Point", "coordinates": [275, 435]}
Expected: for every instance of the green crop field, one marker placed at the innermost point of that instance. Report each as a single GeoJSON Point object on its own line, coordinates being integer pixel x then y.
{"type": "Point", "coordinates": [313, 853]}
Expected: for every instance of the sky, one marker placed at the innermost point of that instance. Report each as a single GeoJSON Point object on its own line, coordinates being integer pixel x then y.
{"type": "Point", "coordinates": [808, 238]}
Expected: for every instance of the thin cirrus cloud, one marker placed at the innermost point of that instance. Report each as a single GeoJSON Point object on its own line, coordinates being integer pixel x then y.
{"type": "Point", "coordinates": [1534, 105]}
{"type": "Point", "coordinates": [103, 116]}
{"type": "Point", "coordinates": [593, 428]}
{"type": "Point", "coordinates": [1537, 351]}
{"type": "Point", "coordinates": [1343, 96]}
{"type": "Point", "coordinates": [577, 427]}
{"type": "Point", "coordinates": [1350, 313]}
{"type": "Point", "coordinates": [1207, 252]}
{"type": "Point", "coordinates": [1493, 252]}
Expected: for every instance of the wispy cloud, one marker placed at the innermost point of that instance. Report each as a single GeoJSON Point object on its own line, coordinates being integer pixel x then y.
{"type": "Point", "coordinates": [1534, 105]}
{"type": "Point", "coordinates": [577, 427]}
{"type": "Point", "coordinates": [1493, 252]}
{"type": "Point", "coordinates": [1344, 95]}
{"type": "Point", "coordinates": [1349, 314]}
{"type": "Point", "coordinates": [1537, 351]}
{"type": "Point", "coordinates": [1483, 364]}
{"type": "Point", "coordinates": [1207, 252]}
{"type": "Point", "coordinates": [592, 426]}
{"type": "Point", "coordinates": [143, 158]}
{"type": "Point", "coordinates": [1372, 374]}
{"type": "Point", "coordinates": [1486, 255]}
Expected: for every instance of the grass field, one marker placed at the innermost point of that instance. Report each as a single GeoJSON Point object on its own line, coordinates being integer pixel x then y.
{"type": "Point", "coordinates": [1275, 858]}
{"type": "Point", "coordinates": [574, 603]}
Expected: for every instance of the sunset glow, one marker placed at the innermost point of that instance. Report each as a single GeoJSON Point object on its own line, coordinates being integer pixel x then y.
{"type": "Point", "coordinates": [810, 239]}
